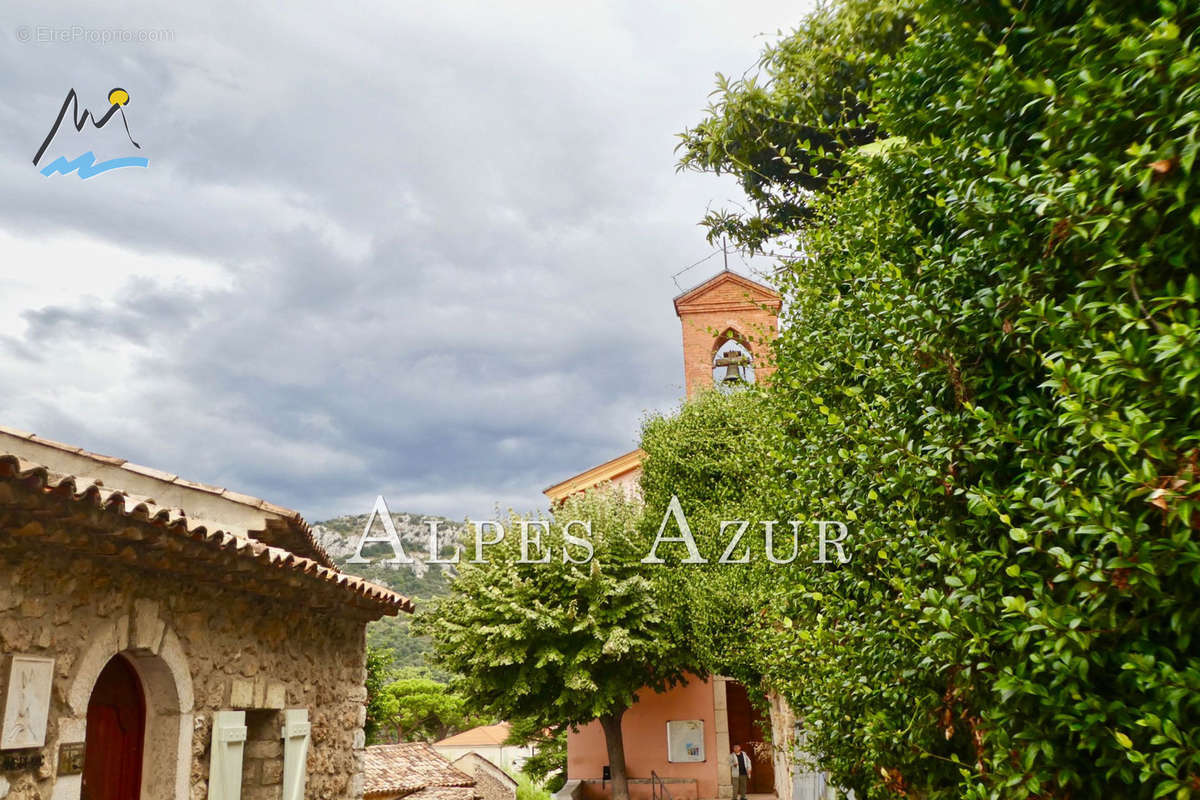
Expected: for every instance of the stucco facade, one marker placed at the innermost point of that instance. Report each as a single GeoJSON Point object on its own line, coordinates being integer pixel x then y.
{"type": "Point", "coordinates": [490, 742]}
{"type": "Point", "coordinates": [717, 703]}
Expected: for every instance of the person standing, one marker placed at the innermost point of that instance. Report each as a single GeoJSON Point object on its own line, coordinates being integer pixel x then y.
{"type": "Point", "coordinates": [740, 767]}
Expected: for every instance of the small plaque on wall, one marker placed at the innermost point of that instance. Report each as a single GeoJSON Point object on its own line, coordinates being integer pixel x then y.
{"type": "Point", "coordinates": [70, 759]}
{"type": "Point", "coordinates": [26, 702]}
{"type": "Point", "coordinates": [685, 741]}
{"type": "Point", "coordinates": [13, 761]}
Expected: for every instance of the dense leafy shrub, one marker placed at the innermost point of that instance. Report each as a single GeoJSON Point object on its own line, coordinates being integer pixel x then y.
{"type": "Point", "coordinates": [992, 369]}
{"type": "Point", "coordinates": [714, 455]}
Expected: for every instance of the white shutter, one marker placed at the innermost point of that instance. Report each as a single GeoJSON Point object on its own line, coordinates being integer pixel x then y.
{"type": "Point", "coordinates": [225, 762]}
{"type": "Point", "coordinates": [296, 732]}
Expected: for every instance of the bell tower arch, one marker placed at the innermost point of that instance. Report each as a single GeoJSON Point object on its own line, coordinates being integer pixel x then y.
{"type": "Point", "coordinates": [728, 323]}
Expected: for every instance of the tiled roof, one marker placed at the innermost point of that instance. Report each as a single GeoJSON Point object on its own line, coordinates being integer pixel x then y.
{"type": "Point", "coordinates": [413, 769]}
{"type": "Point", "coordinates": [443, 793]}
{"type": "Point", "coordinates": [175, 521]}
{"type": "Point", "coordinates": [298, 537]}
{"type": "Point", "coordinates": [483, 735]}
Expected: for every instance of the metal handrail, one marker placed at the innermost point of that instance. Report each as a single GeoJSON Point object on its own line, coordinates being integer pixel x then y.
{"type": "Point", "coordinates": [655, 780]}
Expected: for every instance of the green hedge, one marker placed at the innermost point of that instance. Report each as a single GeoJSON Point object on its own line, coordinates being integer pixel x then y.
{"type": "Point", "coordinates": [991, 368]}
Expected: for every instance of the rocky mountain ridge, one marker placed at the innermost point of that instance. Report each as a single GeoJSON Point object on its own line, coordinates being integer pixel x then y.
{"type": "Point", "coordinates": [419, 581]}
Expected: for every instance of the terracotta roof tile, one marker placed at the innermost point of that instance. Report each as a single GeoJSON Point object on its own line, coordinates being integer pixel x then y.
{"type": "Point", "coordinates": [444, 793]}
{"type": "Point", "coordinates": [82, 489]}
{"type": "Point", "coordinates": [200, 487]}
{"type": "Point", "coordinates": [149, 472]}
{"type": "Point", "coordinates": [244, 499]}
{"type": "Point", "coordinates": [280, 510]}
{"type": "Point", "coordinates": [302, 530]}
{"type": "Point", "coordinates": [412, 768]}
{"type": "Point", "coordinates": [20, 434]}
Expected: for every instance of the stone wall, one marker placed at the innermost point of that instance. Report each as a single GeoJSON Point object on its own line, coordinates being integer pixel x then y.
{"type": "Point", "coordinates": [491, 782]}
{"type": "Point", "coordinates": [783, 726]}
{"type": "Point", "coordinates": [198, 648]}
{"type": "Point", "coordinates": [796, 776]}
{"type": "Point", "coordinates": [262, 765]}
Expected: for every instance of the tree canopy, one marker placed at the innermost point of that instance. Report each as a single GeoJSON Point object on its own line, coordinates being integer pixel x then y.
{"type": "Point", "coordinates": [415, 708]}
{"type": "Point", "coordinates": [713, 455]}
{"type": "Point", "coordinates": [555, 642]}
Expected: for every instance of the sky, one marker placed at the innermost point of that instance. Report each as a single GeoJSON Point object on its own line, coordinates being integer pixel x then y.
{"type": "Point", "coordinates": [417, 250]}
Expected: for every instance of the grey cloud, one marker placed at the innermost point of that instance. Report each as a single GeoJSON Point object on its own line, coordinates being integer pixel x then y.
{"type": "Point", "coordinates": [448, 233]}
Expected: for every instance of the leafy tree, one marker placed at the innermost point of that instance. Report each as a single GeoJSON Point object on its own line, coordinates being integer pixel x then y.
{"type": "Point", "coordinates": [990, 370]}
{"type": "Point", "coordinates": [562, 643]}
{"type": "Point", "coordinates": [408, 652]}
{"type": "Point", "coordinates": [528, 789]}
{"type": "Point", "coordinates": [712, 454]}
{"type": "Point", "coordinates": [417, 708]}
{"type": "Point", "coordinates": [379, 672]}
{"type": "Point", "coordinates": [548, 764]}
{"type": "Point", "coordinates": [782, 128]}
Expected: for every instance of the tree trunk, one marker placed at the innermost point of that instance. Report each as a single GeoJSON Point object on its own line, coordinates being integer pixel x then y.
{"type": "Point", "coordinates": [611, 723]}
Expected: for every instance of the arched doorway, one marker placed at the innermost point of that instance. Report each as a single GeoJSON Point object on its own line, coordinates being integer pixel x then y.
{"type": "Point", "coordinates": [116, 727]}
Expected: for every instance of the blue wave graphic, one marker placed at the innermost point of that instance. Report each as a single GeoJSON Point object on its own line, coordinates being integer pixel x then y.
{"type": "Point", "coordinates": [87, 167]}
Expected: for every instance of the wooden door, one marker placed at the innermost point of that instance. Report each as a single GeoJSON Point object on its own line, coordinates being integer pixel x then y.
{"type": "Point", "coordinates": [748, 728]}
{"type": "Point", "coordinates": [116, 725]}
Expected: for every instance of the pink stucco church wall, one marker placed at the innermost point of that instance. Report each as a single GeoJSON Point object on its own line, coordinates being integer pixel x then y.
{"type": "Point", "coordinates": [644, 728]}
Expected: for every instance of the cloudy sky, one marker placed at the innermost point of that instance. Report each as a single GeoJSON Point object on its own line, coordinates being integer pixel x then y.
{"type": "Point", "coordinates": [417, 249]}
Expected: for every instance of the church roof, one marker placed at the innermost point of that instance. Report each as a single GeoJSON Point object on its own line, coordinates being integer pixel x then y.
{"type": "Point", "coordinates": [726, 291]}
{"type": "Point", "coordinates": [597, 475]}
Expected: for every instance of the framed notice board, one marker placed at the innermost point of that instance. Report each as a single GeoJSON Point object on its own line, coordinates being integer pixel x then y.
{"type": "Point", "coordinates": [685, 741]}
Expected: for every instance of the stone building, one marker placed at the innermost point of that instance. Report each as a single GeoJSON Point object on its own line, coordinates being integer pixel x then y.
{"type": "Point", "coordinates": [491, 782]}
{"type": "Point", "coordinates": [165, 639]}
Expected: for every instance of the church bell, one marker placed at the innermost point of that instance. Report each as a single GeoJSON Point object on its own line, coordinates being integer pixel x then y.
{"type": "Point", "coordinates": [733, 361]}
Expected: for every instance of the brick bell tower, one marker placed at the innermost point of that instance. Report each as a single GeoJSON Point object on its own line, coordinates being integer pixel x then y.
{"type": "Point", "coordinates": [728, 323]}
